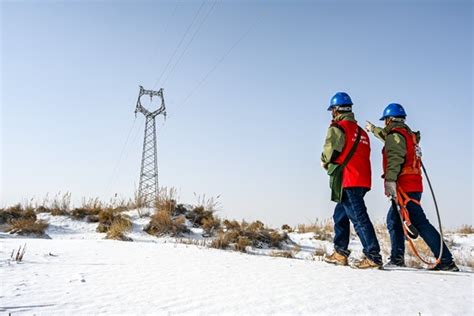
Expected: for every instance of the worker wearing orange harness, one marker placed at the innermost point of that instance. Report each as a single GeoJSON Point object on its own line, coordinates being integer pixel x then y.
{"type": "Point", "coordinates": [403, 182]}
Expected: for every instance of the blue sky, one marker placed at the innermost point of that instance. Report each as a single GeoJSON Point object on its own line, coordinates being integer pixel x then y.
{"type": "Point", "coordinates": [252, 131]}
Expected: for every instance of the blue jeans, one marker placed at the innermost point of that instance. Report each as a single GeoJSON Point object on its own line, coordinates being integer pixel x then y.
{"type": "Point", "coordinates": [352, 208]}
{"type": "Point", "coordinates": [418, 218]}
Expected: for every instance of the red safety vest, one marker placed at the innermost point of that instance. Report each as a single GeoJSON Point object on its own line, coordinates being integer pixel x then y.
{"type": "Point", "coordinates": [409, 179]}
{"type": "Point", "coordinates": [357, 172]}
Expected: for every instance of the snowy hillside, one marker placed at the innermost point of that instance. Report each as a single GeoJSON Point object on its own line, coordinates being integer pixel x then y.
{"type": "Point", "coordinates": [77, 271]}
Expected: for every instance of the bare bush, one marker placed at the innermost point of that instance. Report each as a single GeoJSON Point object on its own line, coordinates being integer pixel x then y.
{"type": "Point", "coordinates": [28, 226]}
{"type": "Point", "coordinates": [465, 229]}
{"type": "Point", "coordinates": [323, 230]}
{"type": "Point", "coordinates": [118, 228]}
{"type": "Point", "coordinates": [287, 228]}
{"type": "Point", "coordinates": [162, 223]}
{"type": "Point", "coordinates": [211, 204]}
{"type": "Point", "coordinates": [16, 212]}
{"type": "Point", "coordinates": [240, 235]}
{"type": "Point", "coordinates": [61, 204]}
{"type": "Point", "coordinates": [107, 217]}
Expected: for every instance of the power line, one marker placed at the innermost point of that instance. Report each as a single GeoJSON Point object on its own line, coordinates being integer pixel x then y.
{"type": "Point", "coordinates": [189, 42]}
{"type": "Point", "coordinates": [207, 75]}
{"type": "Point", "coordinates": [180, 43]}
{"type": "Point", "coordinates": [114, 171]}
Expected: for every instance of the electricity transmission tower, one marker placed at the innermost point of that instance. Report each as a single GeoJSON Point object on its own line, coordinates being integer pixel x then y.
{"type": "Point", "coordinates": [148, 187]}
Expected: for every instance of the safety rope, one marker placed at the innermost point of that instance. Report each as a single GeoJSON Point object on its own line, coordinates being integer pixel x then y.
{"type": "Point", "coordinates": [409, 230]}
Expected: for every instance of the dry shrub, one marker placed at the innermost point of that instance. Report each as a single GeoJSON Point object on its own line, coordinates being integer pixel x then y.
{"type": "Point", "coordinates": [383, 238]}
{"type": "Point", "coordinates": [287, 228]}
{"type": "Point", "coordinates": [16, 212]}
{"type": "Point", "coordinates": [89, 214]}
{"type": "Point", "coordinates": [209, 204]}
{"type": "Point", "coordinates": [166, 200]}
{"type": "Point", "coordinates": [323, 230]}
{"type": "Point", "coordinates": [241, 235]}
{"type": "Point", "coordinates": [137, 202]}
{"type": "Point", "coordinates": [120, 203]}
{"type": "Point", "coordinates": [211, 224]}
{"type": "Point", "coordinates": [118, 228]}
{"type": "Point", "coordinates": [28, 226]}
{"type": "Point", "coordinates": [202, 217]}
{"type": "Point", "coordinates": [106, 219]}
{"type": "Point", "coordinates": [222, 241]}
{"type": "Point", "coordinates": [242, 243]}
{"type": "Point", "coordinates": [162, 223]}
{"type": "Point", "coordinates": [231, 225]}
{"type": "Point", "coordinates": [465, 229]}
{"type": "Point", "coordinates": [61, 204]}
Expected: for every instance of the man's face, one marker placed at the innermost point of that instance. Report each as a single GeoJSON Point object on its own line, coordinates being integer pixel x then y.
{"type": "Point", "coordinates": [387, 121]}
{"type": "Point", "coordinates": [334, 113]}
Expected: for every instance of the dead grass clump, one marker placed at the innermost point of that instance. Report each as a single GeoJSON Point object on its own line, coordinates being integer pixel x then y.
{"type": "Point", "coordinates": [61, 204]}
{"type": "Point", "coordinates": [205, 218]}
{"type": "Point", "coordinates": [211, 225]}
{"type": "Point", "coordinates": [28, 226]}
{"type": "Point", "coordinates": [242, 243]}
{"type": "Point", "coordinates": [119, 227]}
{"type": "Point", "coordinates": [231, 225]}
{"type": "Point", "coordinates": [162, 223]}
{"type": "Point", "coordinates": [465, 229]}
{"type": "Point", "coordinates": [411, 260]}
{"type": "Point", "coordinates": [209, 204]}
{"type": "Point", "coordinates": [166, 200]}
{"type": "Point", "coordinates": [221, 241]}
{"type": "Point", "coordinates": [106, 219]}
{"type": "Point", "coordinates": [137, 202]}
{"type": "Point", "coordinates": [16, 212]}
{"type": "Point", "coordinates": [323, 230]}
{"type": "Point", "coordinates": [287, 228]}
{"type": "Point", "coordinates": [90, 215]}
{"type": "Point", "coordinates": [240, 235]}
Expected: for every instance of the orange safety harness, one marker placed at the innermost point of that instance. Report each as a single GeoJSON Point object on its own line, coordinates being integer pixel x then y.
{"type": "Point", "coordinates": [409, 229]}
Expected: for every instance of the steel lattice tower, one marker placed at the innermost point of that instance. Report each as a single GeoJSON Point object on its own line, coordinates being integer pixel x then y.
{"type": "Point", "coordinates": [148, 187]}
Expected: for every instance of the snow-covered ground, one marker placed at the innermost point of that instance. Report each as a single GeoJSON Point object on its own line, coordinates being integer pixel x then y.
{"type": "Point", "coordinates": [78, 272]}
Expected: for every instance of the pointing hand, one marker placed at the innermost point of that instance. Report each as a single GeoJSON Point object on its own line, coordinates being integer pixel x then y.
{"type": "Point", "coordinates": [369, 127]}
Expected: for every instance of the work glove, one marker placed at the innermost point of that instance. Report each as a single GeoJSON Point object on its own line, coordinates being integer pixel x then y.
{"type": "Point", "coordinates": [369, 127]}
{"type": "Point", "coordinates": [391, 189]}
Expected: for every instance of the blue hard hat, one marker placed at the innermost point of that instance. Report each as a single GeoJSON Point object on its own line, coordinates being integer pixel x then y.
{"type": "Point", "coordinates": [340, 99]}
{"type": "Point", "coordinates": [393, 110]}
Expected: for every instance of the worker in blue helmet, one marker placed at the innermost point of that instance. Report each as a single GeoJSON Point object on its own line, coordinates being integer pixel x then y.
{"type": "Point", "coordinates": [341, 101]}
{"type": "Point", "coordinates": [346, 157]}
{"type": "Point", "coordinates": [403, 184]}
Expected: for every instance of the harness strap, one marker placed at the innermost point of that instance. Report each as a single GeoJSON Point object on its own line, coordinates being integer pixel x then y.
{"type": "Point", "coordinates": [403, 200]}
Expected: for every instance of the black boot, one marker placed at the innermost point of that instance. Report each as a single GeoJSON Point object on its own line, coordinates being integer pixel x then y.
{"type": "Point", "coordinates": [445, 267]}
{"type": "Point", "coordinates": [395, 263]}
